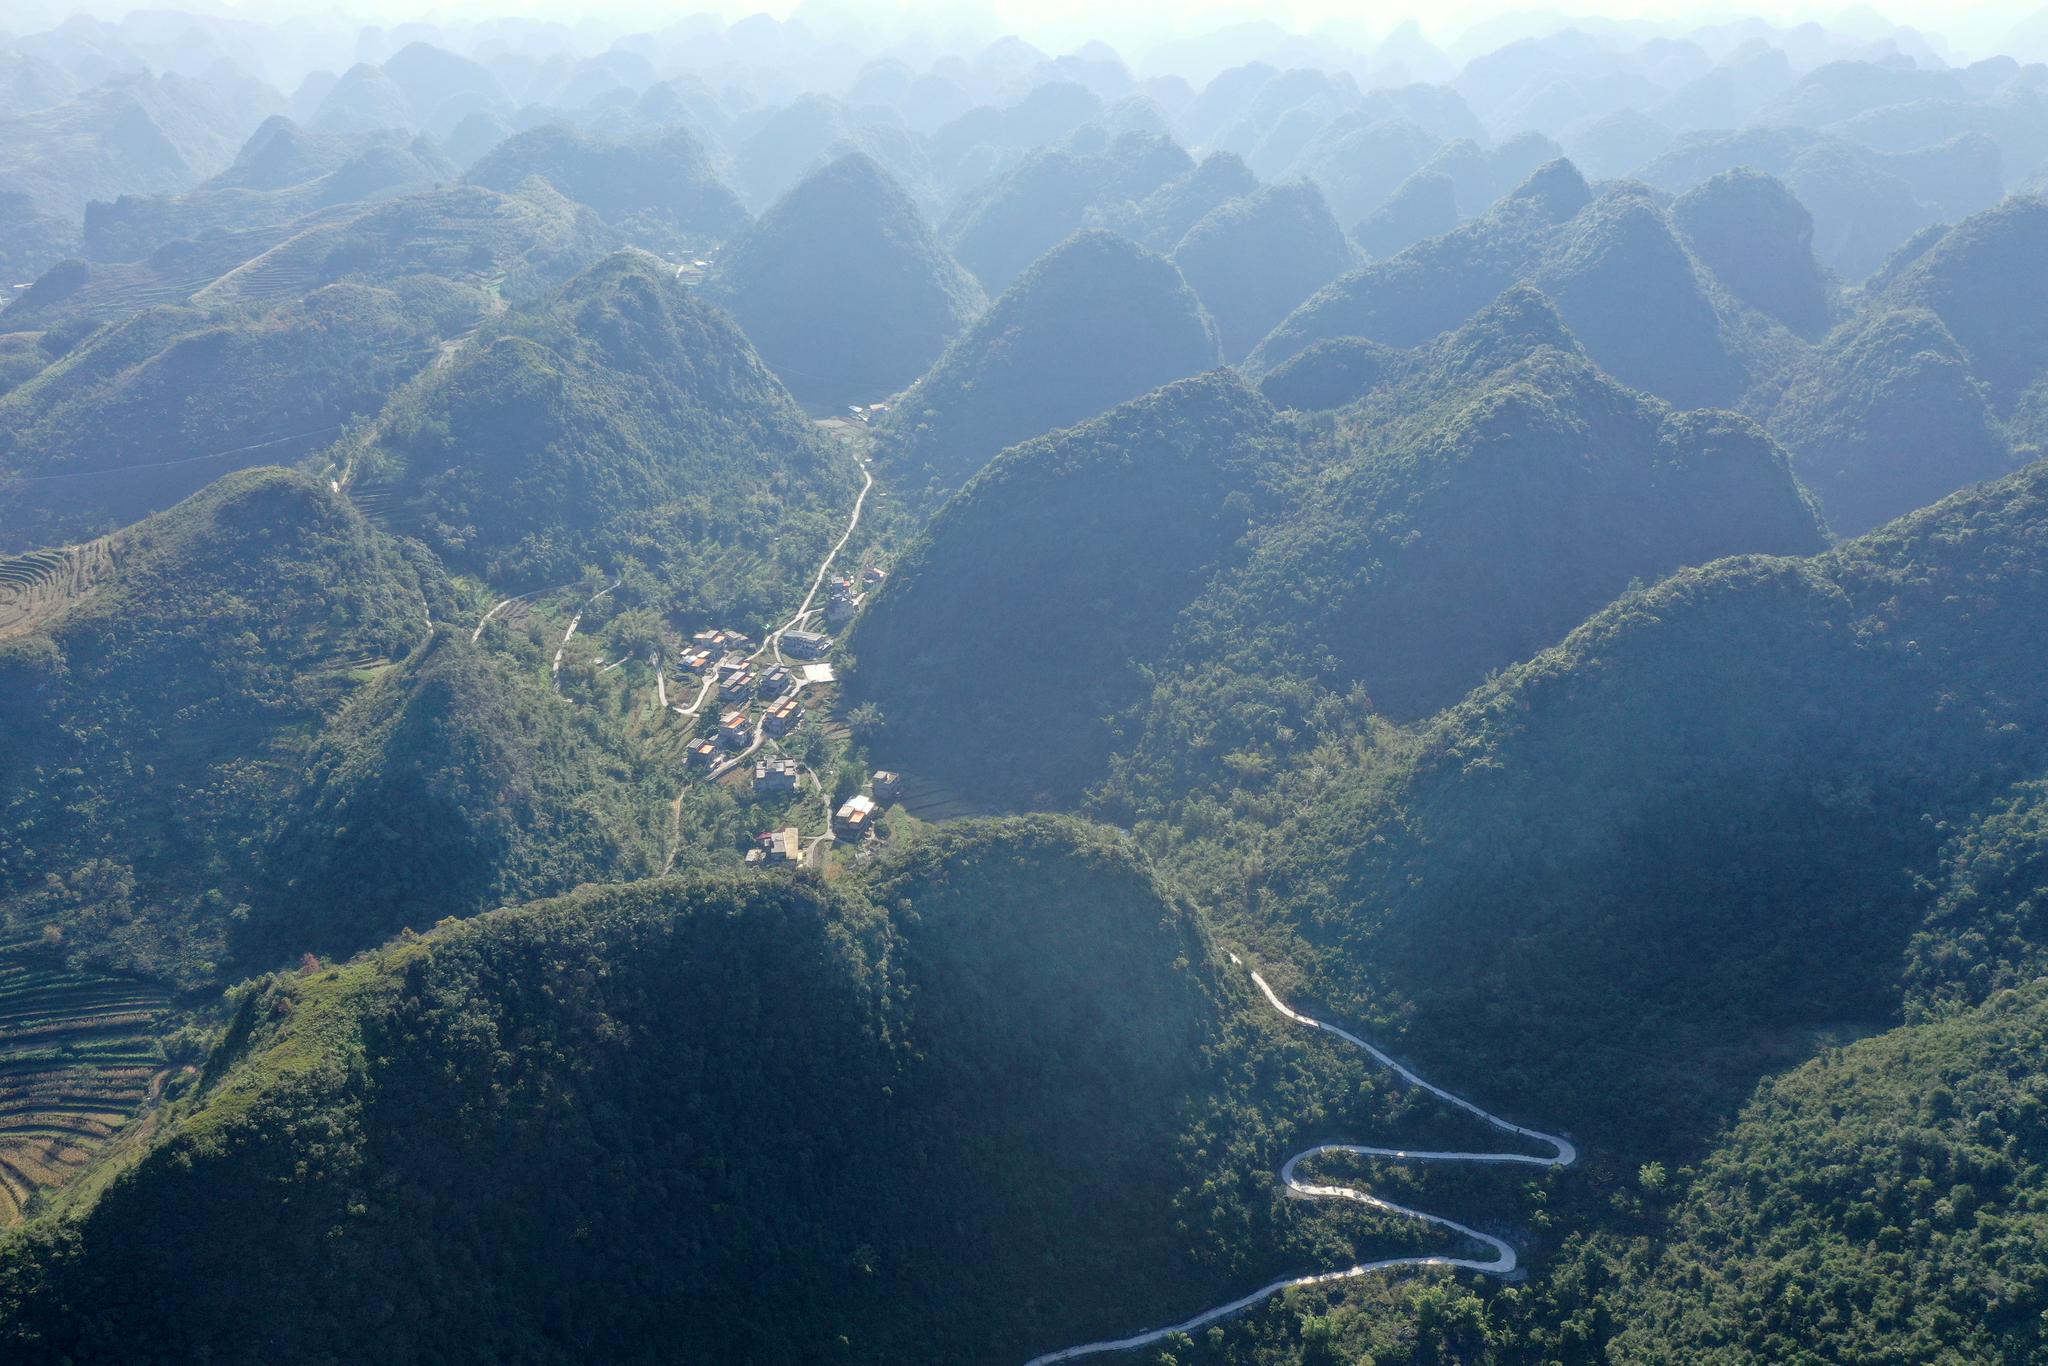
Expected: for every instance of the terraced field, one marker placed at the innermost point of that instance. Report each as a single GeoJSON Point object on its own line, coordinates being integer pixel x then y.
{"type": "Point", "coordinates": [78, 1057]}
{"type": "Point", "coordinates": [928, 799]}
{"type": "Point", "coordinates": [34, 585]}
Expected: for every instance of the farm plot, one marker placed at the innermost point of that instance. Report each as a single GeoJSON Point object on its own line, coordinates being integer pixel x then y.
{"type": "Point", "coordinates": [78, 1057]}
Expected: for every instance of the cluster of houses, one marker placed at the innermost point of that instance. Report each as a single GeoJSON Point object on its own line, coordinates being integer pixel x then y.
{"type": "Point", "coordinates": [722, 657]}
{"type": "Point", "coordinates": [718, 656]}
{"type": "Point", "coordinates": [852, 823]}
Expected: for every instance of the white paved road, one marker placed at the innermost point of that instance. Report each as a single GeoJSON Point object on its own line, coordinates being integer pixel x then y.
{"type": "Point", "coordinates": [1499, 1264]}
{"type": "Point", "coordinates": [774, 640]}
{"type": "Point", "coordinates": [575, 621]}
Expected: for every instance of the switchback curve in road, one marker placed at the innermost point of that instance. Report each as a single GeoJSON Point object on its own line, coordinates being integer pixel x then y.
{"type": "Point", "coordinates": [1500, 1263]}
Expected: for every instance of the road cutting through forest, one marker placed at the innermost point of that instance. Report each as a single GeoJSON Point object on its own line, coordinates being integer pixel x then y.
{"type": "Point", "coordinates": [1501, 1263]}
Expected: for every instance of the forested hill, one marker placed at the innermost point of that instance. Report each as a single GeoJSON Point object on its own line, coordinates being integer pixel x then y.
{"type": "Point", "coordinates": [1936, 382]}
{"type": "Point", "coordinates": [1016, 372]}
{"type": "Point", "coordinates": [953, 1117]}
{"type": "Point", "coordinates": [660, 192]}
{"type": "Point", "coordinates": [843, 288]}
{"type": "Point", "coordinates": [1205, 603]}
{"type": "Point", "coordinates": [1114, 525]}
{"type": "Point", "coordinates": [458, 782]}
{"type": "Point", "coordinates": [1492, 499]}
{"type": "Point", "coordinates": [619, 421]}
{"type": "Point", "coordinates": [1620, 267]}
{"type": "Point", "coordinates": [1881, 1203]}
{"type": "Point", "coordinates": [137, 415]}
{"type": "Point", "coordinates": [1706, 822]}
{"type": "Point", "coordinates": [150, 698]}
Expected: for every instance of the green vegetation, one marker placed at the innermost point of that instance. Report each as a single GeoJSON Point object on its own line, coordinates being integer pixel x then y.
{"type": "Point", "coordinates": [1010, 638]}
{"type": "Point", "coordinates": [1252, 260]}
{"type": "Point", "coordinates": [659, 192]}
{"type": "Point", "coordinates": [525, 243]}
{"type": "Point", "coordinates": [1017, 373]}
{"type": "Point", "coordinates": [1001, 1101]}
{"type": "Point", "coordinates": [620, 422]}
{"type": "Point", "coordinates": [842, 287]}
{"type": "Point", "coordinates": [1330, 374]}
{"type": "Point", "coordinates": [1653, 870]}
{"type": "Point", "coordinates": [150, 410]}
{"type": "Point", "coordinates": [1640, 304]}
{"type": "Point", "coordinates": [453, 784]}
{"type": "Point", "coordinates": [1883, 1203]}
{"type": "Point", "coordinates": [1439, 283]}
{"type": "Point", "coordinates": [380, 972]}
{"type": "Point", "coordinates": [1889, 418]}
{"type": "Point", "coordinates": [150, 714]}
{"type": "Point", "coordinates": [1985, 933]}
{"type": "Point", "coordinates": [1977, 279]}
{"type": "Point", "coordinates": [1757, 239]}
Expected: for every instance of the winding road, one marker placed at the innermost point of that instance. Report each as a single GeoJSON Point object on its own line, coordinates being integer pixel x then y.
{"type": "Point", "coordinates": [774, 638]}
{"type": "Point", "coordinates": [555, 669]}
{"type": "Point", "coordinates": [1500, 1263]}
{"type": "Point", "coordinates": [774, 642]}
{"type": "Point", "coordinates": [824, 566]}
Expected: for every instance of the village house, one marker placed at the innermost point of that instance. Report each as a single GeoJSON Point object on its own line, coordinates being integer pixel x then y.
{"type": "Point", "coordinates": [841, 602]}
{"type": "Point", "coordinates": [774, 683]}
{"type": "Point", "coordinates": [775, 775]}
{"type": "Point", "coordinates": [782, 718]}
{"type": "Point", "coordinates": [806, 644]}
{"type": "Point", "coordinates": [734, 728]}
{"type": "Point", "coordinates": [701, 751]}
{"type": "Point", "coordinates": [873, 575]}
{"type": "Point", "coordinates": [887, 786]}
{"type": "Point", "coordinates": [855, 817]}
{"type": "Point", "coordinates": [782, 846]}
{"type": "Point", "coordinates": [738, 686]}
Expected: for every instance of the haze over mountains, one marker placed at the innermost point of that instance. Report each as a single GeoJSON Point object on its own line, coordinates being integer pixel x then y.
{"type": "Point", "coordinates": [659, 690]}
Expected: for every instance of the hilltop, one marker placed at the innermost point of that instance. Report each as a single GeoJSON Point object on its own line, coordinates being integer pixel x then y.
{"type": "Point", "coordinates": [1016, 373]}
{"type": "Point", "coordinates": [658, 191]}
{"type": "Point", "coordinates": [455, 783]}
{"type": "Point", "coordinates": [280, 177]}
{"type": "Point", "coordinates": [1634, 840]}
{"type": "Point", "coordinates": [190, 648]}
{"type": "Point", "coordinates": [1014, 1028]}
{"type": "Point", "coordinates": [621, 419]}
{"type": "Point", "coordinates": [1019, 216]}
{"type": "Point", "coordinates": [843, 288]}
{"type": "Point", "coordinates": [1435, 285]}
{"type": "Point", "coordinates": [147, 411]}
{"type": "Point", "coordinates": [1094, 538]}
{"type": "Point", "coordinates": [1252, 260]}
{"type": "Point", "coordinates": [1618, 267]}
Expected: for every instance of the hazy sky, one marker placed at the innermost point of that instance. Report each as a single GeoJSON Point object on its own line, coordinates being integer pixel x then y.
{"type": "Point", "coordinates": [1973, 27]}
